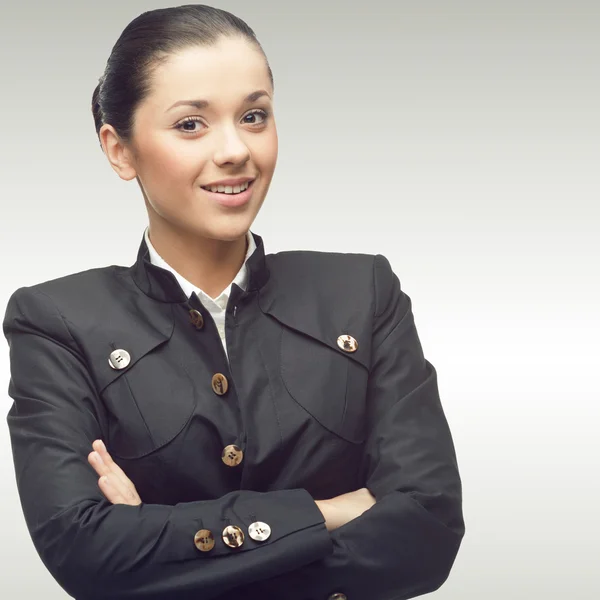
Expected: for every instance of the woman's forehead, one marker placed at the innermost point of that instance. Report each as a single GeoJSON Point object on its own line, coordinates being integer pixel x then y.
{"type": "Point", "coordinates": [219, 62]}
{"type": "Point", "coordinates": [228, 71]}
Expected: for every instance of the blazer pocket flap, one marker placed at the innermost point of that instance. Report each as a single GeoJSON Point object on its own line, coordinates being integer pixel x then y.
{"type": "Point", "coordinates": [149, 404]}
{"type": "Point", "coordinates": [148, 394]}
{"type": "Point", "coordinates": [326, 382]}
{"type": "Point", "coordinates": [128, 345]}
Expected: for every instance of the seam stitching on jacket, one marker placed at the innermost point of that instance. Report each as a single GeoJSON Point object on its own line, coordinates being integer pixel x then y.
{"type": "Point", "coordinates": [62, 319]}
{"type": "Point", "coordinates": [262, 358]}
{"type": "Point", "coordinates": [374, 283]}
{"type": "Point", "coordinates": [152, 440]}
{"type": "Point", "coordinates": [400, 322]}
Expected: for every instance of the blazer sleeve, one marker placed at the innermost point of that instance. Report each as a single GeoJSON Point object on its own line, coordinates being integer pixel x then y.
{"type": "Point", "coordinates": [95, 549]}
{"type": "Point", "coordinates": [406, 544]}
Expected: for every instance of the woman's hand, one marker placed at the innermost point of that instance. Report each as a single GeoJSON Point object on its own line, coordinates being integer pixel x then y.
{"type": "Point", "coordinates": [344, 508]}
{"type": "Point", "coordinates": [113, 482]}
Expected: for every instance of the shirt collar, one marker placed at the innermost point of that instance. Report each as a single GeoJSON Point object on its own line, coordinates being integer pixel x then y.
{"type": "Point", "coordinates": [160, 281]}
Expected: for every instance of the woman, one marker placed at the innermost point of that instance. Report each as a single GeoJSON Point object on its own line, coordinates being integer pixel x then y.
{"type": "Point", "coordinates": [274, 411]}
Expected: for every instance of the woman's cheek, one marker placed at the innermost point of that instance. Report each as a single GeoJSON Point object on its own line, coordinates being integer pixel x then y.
{"type": "Point", "coordinates": [171, 168]}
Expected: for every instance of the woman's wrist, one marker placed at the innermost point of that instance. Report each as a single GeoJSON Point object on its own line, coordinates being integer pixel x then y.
{"type": "Point", "coordinates": [327, 511]}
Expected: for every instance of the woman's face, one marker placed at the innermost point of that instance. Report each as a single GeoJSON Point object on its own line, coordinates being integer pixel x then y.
{"type": "Point", "coordinates": [178, 149]}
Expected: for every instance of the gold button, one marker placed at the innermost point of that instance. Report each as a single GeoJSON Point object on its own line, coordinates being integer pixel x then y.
{"type": "Point", "coordinates": [219, 383]}
{"type": "Point", "coordinates": [347, 343]}
{"type": "Point", "coordinates": [337, 596]}
{"type": "Point", "coordinates": [204, 540]}
{"type": "Point", "coordinates": [259, 531]}
{"type": "Point", "coordinates": [233, 536]}
{"type": "Point", "coordinates": [196, 318]}
{"type": "Point", "coordinates": [232, 455]}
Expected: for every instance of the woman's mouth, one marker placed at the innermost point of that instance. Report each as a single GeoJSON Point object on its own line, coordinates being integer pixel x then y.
{"type": "Point", "coordinates": [231, 199]}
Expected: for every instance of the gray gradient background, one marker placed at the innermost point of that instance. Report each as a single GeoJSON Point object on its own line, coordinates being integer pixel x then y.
{"type": "Point", "coordinates": [461, 140]}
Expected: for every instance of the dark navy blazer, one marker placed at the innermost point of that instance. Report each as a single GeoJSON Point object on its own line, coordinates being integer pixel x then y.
{"type": "Point", "coordinates": [313, 420]}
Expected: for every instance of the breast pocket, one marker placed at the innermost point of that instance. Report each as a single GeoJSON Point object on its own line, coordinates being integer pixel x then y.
{"type": "Point", "coordinates": [149, 402]}
{"type": "Point", "coordinates": [326, 382]}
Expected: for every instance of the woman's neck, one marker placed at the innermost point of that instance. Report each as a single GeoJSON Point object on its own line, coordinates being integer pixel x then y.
{"type": "Point", "coordinates": [209, 264]}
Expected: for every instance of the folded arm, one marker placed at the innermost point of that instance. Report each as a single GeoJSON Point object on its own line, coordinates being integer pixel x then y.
{"type": "Point", "coordinates": [95, 549]}
{"type": "Point", "coordinates": [406, 544]}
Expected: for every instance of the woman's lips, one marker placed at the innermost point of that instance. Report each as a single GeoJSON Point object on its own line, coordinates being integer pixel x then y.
{"type": "Point", "coordinates": [231, 200]}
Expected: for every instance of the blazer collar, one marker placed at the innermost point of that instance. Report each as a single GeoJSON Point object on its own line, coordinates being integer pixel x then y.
{"type": "Point", "coordinates": [160, 284]}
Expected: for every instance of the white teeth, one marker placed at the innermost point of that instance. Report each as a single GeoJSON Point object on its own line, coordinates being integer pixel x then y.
{"type": "Point", "coordinates": [228, 189]}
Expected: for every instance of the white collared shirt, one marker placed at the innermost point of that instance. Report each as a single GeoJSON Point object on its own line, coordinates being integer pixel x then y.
{"type": "Point", "coordinates": [216, 306]}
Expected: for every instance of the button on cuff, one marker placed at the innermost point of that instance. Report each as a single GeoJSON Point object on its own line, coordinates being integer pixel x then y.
{"type": "Point", "coordinates": [233, 536]}
{"type": "Point", "coordinates": [259, 531]}
{"type": "Point", "coordinates": [204, 540]}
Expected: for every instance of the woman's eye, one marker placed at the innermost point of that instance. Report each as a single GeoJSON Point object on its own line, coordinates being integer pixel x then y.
{"type": "Point", "coordinates": [189, 121]}
{"type": "Point", "coordinates": [258, 111]}
{"type": "Point", "coordinates": [188, 125]}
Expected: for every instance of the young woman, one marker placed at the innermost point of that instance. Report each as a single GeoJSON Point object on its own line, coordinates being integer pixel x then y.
{"type": "Point", "coordinates": [214, 419]}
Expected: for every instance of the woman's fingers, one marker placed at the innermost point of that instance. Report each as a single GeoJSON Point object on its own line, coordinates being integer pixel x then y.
{"type": "Point", "coordinates": [113, 495]}
{"type": "Point", "coordinates": [100, 448]}
{"type": "Point", "coordinates": [108, 482]}
{"type": "Point", "coordinates": [118, 488]}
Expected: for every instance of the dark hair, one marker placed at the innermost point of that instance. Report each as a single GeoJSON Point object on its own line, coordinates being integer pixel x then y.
{"type": "Point", "coordinates": [147, 42]}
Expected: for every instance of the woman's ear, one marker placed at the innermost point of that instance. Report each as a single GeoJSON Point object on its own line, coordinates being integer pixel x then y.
{"type": "Point", "coordinates": [119, 155]}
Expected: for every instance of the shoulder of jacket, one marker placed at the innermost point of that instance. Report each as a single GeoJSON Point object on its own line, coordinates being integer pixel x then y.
{"type": "Point", "coordinates": [74, 289]}
{"type": "Point", "coordinates": [321, 266]}
{"type": "Point", "coordinates": [344, 273]}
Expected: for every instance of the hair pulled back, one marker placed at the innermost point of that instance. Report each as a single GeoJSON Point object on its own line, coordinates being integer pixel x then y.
{"type": "Point", "coordinates": [147, 42]}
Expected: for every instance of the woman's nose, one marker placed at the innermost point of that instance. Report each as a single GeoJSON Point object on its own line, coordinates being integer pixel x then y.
{"type": "Point", "coordinates": [231, 148]}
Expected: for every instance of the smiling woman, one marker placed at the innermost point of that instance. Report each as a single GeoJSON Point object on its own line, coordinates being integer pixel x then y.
{"type": "Point", "coordinates": [274, 411]}
{"type": "Point", "coordinates": [198, 113]}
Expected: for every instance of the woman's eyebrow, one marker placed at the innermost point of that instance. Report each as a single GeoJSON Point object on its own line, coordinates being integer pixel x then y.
{"type": "Point", "coordinates": [204, 103]}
